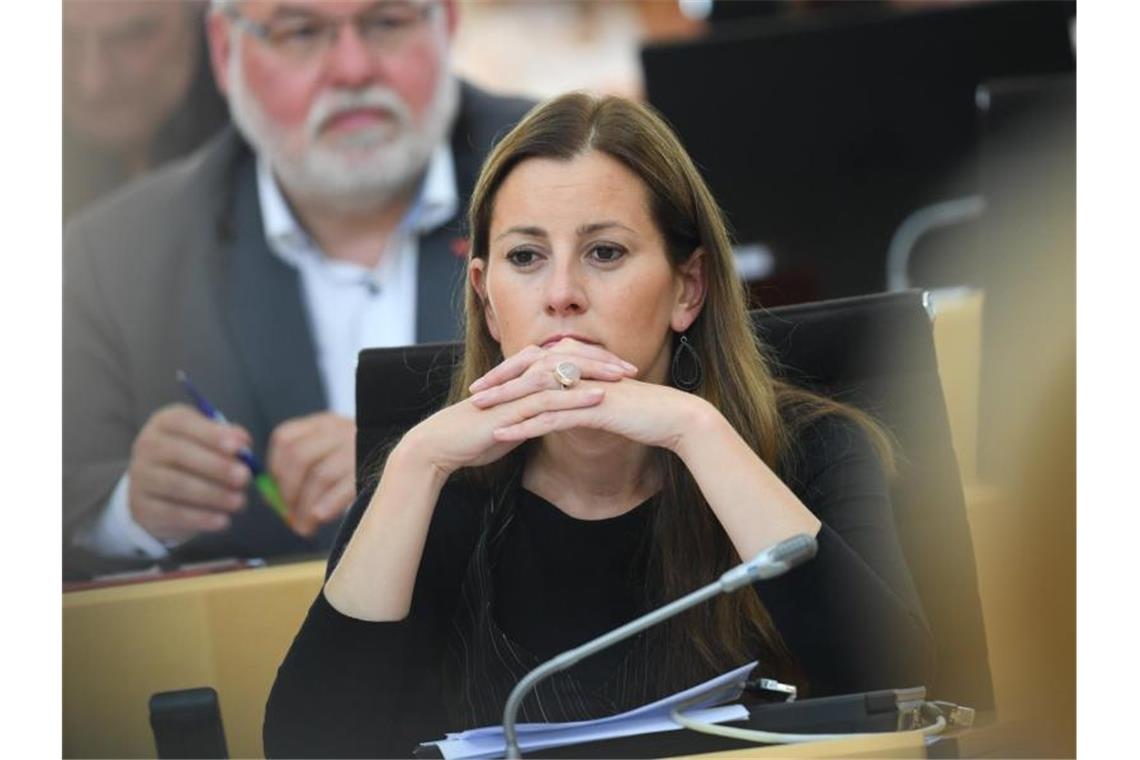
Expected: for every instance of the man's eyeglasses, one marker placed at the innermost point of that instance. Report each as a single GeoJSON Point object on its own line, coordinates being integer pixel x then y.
{"type": "Point", "coordinates": [301, 36]}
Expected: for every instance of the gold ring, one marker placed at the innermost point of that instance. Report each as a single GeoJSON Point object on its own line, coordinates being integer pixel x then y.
{"type": "Point", "coordinates": [567, 374]}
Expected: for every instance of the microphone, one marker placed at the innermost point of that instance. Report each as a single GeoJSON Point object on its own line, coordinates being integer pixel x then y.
{"type": "Point", "coordinates": [770, 563]}
{"type": "Point", "coordinates": [773, 561]}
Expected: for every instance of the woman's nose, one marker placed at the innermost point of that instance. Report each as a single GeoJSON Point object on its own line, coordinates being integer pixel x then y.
{"type": "Point", "coordinates": [565, 291]}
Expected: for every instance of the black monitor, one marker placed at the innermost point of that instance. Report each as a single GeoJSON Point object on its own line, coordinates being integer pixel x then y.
{"type": "Point", "coordinates": [819, 135]}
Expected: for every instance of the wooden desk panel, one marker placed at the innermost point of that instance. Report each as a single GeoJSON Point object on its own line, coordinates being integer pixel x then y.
{"type": "Point", "coordinates": [958, 345]}
{"type": "Point", "coordinates": [229, 631]}
{"type": "Point", "coordinates": [909, 745]}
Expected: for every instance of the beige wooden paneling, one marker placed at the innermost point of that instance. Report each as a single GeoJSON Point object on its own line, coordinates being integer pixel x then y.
{"type": "Point", "coordinates": [229, 631]}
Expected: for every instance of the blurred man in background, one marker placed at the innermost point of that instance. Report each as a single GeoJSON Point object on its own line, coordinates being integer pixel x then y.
{"type": "Point", "coordinates": [137, 91]}
{"type": "Point", "coordinates": [261, 266]}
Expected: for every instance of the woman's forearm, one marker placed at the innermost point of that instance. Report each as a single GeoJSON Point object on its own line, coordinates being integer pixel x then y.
{"type": "Point", "coordinates": [376, 575]}
{"type": "Point", "coordinates": [753, 505]}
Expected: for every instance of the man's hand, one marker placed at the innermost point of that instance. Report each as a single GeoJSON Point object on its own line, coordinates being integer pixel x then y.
{"type": "Point", "coordinates": [185, 478]}
{"type": "Point", "coordinates": [313, 460]}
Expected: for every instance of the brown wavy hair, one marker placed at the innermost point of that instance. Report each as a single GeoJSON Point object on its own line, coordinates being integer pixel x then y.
{"type": "Point", "coordinates": [730, 629]}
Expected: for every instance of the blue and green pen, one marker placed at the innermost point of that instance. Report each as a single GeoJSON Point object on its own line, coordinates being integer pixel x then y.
{"type": "Point", "coordinates": [262, 480]}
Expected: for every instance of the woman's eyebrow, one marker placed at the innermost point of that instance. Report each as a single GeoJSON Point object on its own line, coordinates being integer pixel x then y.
{"type": "Point", "coordinates": [528, 231]}
{"type": "Point", "coordinates": [593, 227]}
{"type": "Point", "coordinates": [584, 230]}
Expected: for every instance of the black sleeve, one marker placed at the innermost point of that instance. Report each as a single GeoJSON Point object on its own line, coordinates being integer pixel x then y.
{"type": "Point", "coordinates": [851, 616]}
{"type": "Point", "coordinates": [353, 688]}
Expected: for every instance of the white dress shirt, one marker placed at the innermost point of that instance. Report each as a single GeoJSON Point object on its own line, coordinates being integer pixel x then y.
{"type": "Point", "coordinates": [350, 307]}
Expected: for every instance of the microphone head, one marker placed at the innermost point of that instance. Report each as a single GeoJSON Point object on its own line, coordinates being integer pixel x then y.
{"type": "Point", "coordinates": [773, 561]}
{"type": "Point", "coordinates": [792, 551]}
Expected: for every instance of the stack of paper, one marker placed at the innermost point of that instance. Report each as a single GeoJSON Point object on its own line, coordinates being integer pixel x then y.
{"type": "Point", "coordinates": [489, 742]}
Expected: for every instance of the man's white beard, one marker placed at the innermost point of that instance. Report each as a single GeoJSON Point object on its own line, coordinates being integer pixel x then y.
{"type": "Point", "coordinates": [361, 171]}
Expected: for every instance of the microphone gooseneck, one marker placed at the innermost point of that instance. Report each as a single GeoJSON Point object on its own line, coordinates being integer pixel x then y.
{"type": "Point", "coordinates": [771, 562]}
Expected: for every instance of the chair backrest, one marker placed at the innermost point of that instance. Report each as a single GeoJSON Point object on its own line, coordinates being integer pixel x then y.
{"type": "Point", "coordinates": [875, 352]}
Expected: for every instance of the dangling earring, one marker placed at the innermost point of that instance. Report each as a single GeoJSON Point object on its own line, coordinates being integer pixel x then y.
{"type": "Point", "coordinates": [686, 371]}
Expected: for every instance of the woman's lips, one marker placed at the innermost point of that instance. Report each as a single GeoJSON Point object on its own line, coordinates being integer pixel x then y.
{"type": "Point", "coordinates": [551, 341]}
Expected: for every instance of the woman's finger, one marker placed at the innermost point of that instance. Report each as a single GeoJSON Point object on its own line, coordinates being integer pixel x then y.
{"type": "Point", "coordinates": [540, 377]}
{"type": "Point", "coordinates": [566, 349]}
{"type": "Point", "coordinates": [549, 421]}
{"type": "Point", "coordinates": [509, 368]}
{"type": "Point", "coordinates": [571, 348]}
{"type": "Point", "coordinates": [544, 401]}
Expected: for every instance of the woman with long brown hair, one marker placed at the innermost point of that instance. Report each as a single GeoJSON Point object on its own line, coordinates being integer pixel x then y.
{"type": "Point", "coordinates": [613, 440]}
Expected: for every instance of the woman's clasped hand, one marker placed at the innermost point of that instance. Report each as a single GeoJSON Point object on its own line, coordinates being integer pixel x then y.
{"type": "Point", "coordinates": [522, 398]}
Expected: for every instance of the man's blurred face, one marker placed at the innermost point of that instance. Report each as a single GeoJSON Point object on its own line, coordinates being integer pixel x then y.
{"type": "Point", "coordinates": [346, 99]}
{"type": "Point", "coordinates": [127, 64]}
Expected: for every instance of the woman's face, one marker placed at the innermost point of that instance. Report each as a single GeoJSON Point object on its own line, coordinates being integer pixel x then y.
{"type": "Point", "coordinates": [573, 251]}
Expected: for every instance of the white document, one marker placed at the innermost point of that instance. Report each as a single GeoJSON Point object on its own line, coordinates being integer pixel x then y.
{"type": "Point", "coordinates": [488, 742]}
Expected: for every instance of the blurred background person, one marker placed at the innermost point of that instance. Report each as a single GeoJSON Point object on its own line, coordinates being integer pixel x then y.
{"type": "Point", "coordinates": [326, 222]}
{"type": "Point", "coordinates": [137, 91]}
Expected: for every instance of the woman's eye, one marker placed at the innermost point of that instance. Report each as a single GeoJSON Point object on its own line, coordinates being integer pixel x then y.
{"type": "Point", "coordinates": [522, 257]}
{"type": "Point", "coordinates": [606, 253]}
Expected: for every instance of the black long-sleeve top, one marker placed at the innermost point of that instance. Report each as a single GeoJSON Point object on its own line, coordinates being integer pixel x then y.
{"type": "Point", "coordinates": [850, 617]}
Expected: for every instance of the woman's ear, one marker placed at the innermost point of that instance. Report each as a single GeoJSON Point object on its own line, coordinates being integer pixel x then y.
{"type": "Point", "coordinates": [477, 276]}
{"type": "Point", "coordinates": [691, 289]}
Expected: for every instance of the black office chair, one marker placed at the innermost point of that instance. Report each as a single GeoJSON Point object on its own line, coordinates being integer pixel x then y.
{"type": "Point", "coordinates": [875, 352]}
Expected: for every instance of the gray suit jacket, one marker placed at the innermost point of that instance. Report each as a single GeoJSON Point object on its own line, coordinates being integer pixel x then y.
{"type": "Point", "coordinates": [174, 273]}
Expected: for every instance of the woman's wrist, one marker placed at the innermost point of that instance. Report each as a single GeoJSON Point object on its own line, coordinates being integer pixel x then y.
{"type": "Point", "coordinates": [415, 453]}
{"type": "Point", "coordinates": [376, 574]}
{"type": "Point", "coordinates": [698, 422]}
